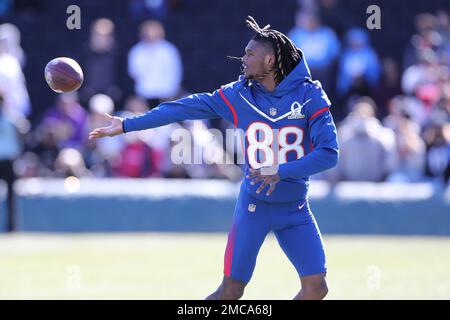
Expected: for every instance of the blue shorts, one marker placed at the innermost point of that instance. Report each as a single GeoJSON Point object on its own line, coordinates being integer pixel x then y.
{"type": "Point", "coordinates": [295, 229]}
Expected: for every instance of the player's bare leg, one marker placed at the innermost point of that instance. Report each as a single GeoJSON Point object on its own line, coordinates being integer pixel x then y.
{"type": "Point", "coordinates": [228, 290]}
{"type": "Point", "coordinates": [313, 287]}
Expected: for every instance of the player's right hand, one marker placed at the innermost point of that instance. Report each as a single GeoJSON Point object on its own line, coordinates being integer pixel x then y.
{"type": "Point", "coordinates": [114, 128]}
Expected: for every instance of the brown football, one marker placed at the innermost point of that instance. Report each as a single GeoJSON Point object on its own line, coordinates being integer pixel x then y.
{"type": "Point", "coordinates": [63, 75]}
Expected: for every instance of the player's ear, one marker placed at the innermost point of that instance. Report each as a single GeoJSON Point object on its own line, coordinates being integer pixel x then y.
{"type": "Point", "coordinates": [269, 60]}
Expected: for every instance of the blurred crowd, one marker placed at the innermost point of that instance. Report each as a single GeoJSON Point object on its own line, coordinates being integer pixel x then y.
{"type": "Point", "coordinates": [392, 116]}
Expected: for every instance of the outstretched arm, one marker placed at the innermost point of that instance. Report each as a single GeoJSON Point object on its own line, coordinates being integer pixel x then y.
{"type": "Point", "coordinates": [196, 106]}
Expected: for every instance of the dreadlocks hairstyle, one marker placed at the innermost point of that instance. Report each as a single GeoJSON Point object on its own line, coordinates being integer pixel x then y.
{"type": "Point", "coordinates": [287, 55]}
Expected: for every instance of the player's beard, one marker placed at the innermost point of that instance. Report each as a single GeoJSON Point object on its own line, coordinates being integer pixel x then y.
{"type": "Point", "coordinates": [247, 75]}
{"type": "Point", "coordinates": [260, 77]}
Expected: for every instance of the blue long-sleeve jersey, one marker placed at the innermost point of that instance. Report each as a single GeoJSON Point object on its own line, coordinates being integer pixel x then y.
{"type": "Point", "coordinates": [291, 127]}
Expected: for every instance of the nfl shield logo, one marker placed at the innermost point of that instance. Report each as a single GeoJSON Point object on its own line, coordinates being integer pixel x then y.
{"type": "Point", "coordinates": [252, 207]}
{"type": "Point", "coordinates": [273, 111]}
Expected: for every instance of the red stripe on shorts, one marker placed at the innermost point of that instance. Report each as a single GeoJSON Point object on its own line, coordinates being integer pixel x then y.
{"type": "Point", "coordinates": [229, 251]}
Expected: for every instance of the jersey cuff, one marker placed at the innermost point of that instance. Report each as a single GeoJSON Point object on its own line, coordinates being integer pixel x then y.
{"type": "Point", "coordinates": [282, 171]}
{"type": "Point", "coordinates": [123, 126]}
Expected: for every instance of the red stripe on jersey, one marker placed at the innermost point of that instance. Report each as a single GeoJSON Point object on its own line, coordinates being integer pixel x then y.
{"type": "Point", "coordinates": [319, 112]}
{"type": "Point", "coordinates": [235, 119]}
{"type": "Point", "coordinates": [229, 251]}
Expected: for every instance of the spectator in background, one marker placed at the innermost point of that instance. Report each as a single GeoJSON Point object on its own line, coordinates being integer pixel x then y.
{"type": "Point", "coordinates": [45, 147]}
{"type": "Point", "coordinates": [141, 154]}
{"type": "Point", "coordinates": [425, 71]}
{"type": "Point", "coordinates": [443, 28]}
{"type": "Point", "coordinates": [443, 25]}
{"type": "Point", "coordinates": [367, 150]}
{"type": "Point", "coordinates": [158, 140]}
{"type": "Point", "coordinates": [405, 107]}
{"type": "Point", "coordinates": [99, 156]}
{"type": "Point", "coordinates": [155, 65]}
{"type": "Point", "coordinates": [68, 121]}
{"type": "Point", "coordinates": [441, 110]}
{"type": "Point", "coordinates": [411, 151]}
{"type": "Point", "coordinates": [11, 34]}
{"type": "Point", "coordinates": [359, 67]}
{"type": "Point", "coordinates": [319, 43]}
{"type": "Point", "coordinates": [70, 163]}
{"type": "Point", "coordinates": [388, 87]}
{"type": "Point", "coordinates": [426, 81]}
{"type": "Point", "coordinates": [427, 38]}
{"type": "Point", "coordinates": [437, 139]}
{"type": "Point", "coordinates": [10, 149]}
{"type": "Point", "coordinates": [29, 166]}
{"type": "Point", "coordinates": [100, 60]}
{"type": "Point", "coordinates": [136, 159]}
{"type": "Point", "coordinates": [12, 83]}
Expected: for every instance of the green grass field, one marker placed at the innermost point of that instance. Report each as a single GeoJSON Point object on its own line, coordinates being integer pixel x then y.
{"type": "Point", "coordinates": [189, 266]}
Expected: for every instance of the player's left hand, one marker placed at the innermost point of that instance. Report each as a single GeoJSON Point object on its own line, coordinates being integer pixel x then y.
{"type": "Point", "coordinates": [267, 180]}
